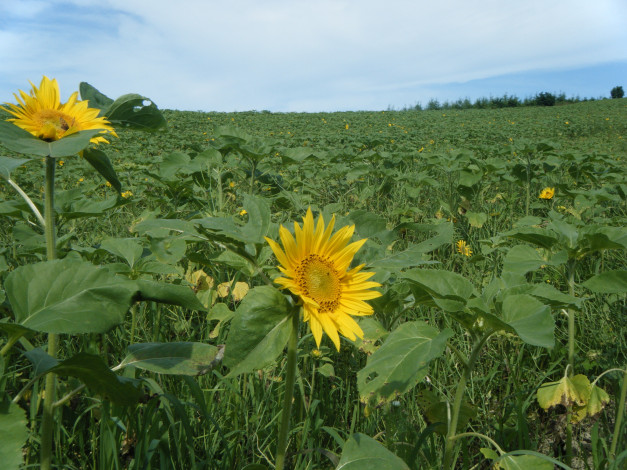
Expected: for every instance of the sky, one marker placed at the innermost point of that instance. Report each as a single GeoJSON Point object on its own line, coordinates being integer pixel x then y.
{"type": "Point", "coordinates": [314, 55]}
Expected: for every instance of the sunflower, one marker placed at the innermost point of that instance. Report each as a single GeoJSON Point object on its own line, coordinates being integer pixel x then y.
{"type": "Point", "coordinates": [463, 248]}
{"type": "Point", "coordinates": [547, 193]}
{"type": "Point", "coordinates": [42, 114]}
{"type": "Point", "coordinates": [315, 265]}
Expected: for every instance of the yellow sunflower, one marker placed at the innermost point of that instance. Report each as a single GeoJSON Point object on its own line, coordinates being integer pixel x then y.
{"type": "Point", "coordinates": [547, 193]}
{"type": "Point", "coordinates": [42, 114]}
{"type": "Point", "coordinates": [315, 265]}
{"type": "Point", "coordinates": [463, 248]}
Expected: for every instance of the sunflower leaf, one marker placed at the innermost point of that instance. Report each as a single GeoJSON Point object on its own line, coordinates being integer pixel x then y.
{"type": "Point", "coordinates": [19, 140]}
{"type": "Point", "coordinates": [259, 331]}
{"type": "Point", "coordinates": [402, 361]}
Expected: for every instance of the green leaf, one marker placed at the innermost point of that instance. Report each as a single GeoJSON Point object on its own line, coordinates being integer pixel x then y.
{"type": "Point", "coordinates": [7, 165]}
{"type": "Point", "coordinates": [68, 296]}
{"type": "Point", "coordinates": [13, 330]}
{"type": "Point", "coordinates": [259, 331]}
{"type": "Point", "coordinates": [609, 282]}
{"type": "Point", "coordinates": [521, 259]}
{"type": "Point", "coordinates": [95, 98]}
{"type": "Point", "coordinates": [536, 236]}
{"type": "Point", "coordinates": [135, 111]}
{"type": "Point", "coordinates": [523, 462]}
{"type": "Point", "coordinates": [13, 434]}
{"type": "Point", "coordinates": [42, 361]}
{"type": "Point", "coordinates": [19, 140]}
{"type": "Point", "coordinates": [476, 219]}
{"type": "Point", "coordinates": [401, 362]}
{"type": "Point", "coordinates": [93, 372]}
{"type": "Point", "coordinates": [364, 453]}
{"type": "Point", "coordinates": [101, 163]}
{"type": "Point", "coordinates": [436, 411]}
{"type": "Point", "coordinates": [530, 319]}
{"type": "Point", "coordinates": [168, 250]}
{"type": "Point", "coordinates": [184, 358]}
{"type": "Point", "coordinates": [165, 293]}
{"type": "Point", "coordinates": [448, 290]}
{"type": "Point", "coordinates": [129, 249]}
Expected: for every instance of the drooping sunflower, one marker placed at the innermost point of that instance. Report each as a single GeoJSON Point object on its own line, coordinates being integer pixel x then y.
{"type": "Point", "coordinates": [315, 265]}
{"type": "Point", "coordinates": [42, 114]}
{"type": "Point", "coordinates": [547, 193]}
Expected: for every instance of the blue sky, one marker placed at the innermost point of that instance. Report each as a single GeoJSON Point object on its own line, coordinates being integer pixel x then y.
{"type": "Point", "coordinates": [314, 55]}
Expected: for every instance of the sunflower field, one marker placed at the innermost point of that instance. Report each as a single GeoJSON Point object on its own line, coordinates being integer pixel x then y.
{"type": "Point", "coordinates": [354, 290]}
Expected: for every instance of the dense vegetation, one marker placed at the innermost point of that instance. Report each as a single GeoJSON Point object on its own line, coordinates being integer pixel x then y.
{"type": "Point", "coordinates": [195, 201]}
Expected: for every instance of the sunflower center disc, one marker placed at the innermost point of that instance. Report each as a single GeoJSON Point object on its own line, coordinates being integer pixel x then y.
{"type": "Point", "coordinates": [320, 281]}
{"type": "Point", "coordinates": [53, 124]}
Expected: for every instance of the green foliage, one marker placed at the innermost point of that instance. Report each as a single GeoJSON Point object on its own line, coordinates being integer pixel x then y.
{"type": "Point", "coordinates": [148, 282]}
{"type": "Point", "coordinates": [617, 92]}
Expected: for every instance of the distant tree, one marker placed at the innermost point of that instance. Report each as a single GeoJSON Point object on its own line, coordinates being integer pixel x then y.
{"type": "Point", "coordinates": [433, 104]}
{"type": "Point", "coordinates": [545, 99]}
{"type": "Point", "coordinates": [617, 92]}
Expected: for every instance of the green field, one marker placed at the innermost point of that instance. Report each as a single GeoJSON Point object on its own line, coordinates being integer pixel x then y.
{"type": "Point", "coordinates": [500, 338]}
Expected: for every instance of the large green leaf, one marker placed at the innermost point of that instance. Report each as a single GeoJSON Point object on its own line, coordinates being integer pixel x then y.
{"type": "Point", "coordinates": [609, 282]}
{"type": "Point", "coordinates": [530, 319]}
{"type": "Point", "coordinates": [101, 163]}
{"type": "Point", "coordinates": [184, 358]}
{"type": "Point", "coordinates": [364, 453]}
{"type": "Point", "coordinates": [13, 434]}
{"type": "Point", "coordinates": [135, 111]}
{"type": "Point", "coordinates": [172, 294]}
{"type": "Point", "coordinates": [68, 296]}
{"type": "Point", "coordinates": [129, 249]}
{"type": "Point", "coordinates": [448, 290]}
{"type": "Point", "coordinates": [7, 165]}
{"type": "Point", "coordinates": [19, 140]}
{"type": "Point", "coordinates": [95, 98]}
{"type": "Point", "coordinates": [93, 372]}
{"type": "Point", "coordinates": [537, 236]}
{"type": "Point", "coordinates": [259, 331]}
{"type": "Point", "coordinates": [401, 362]}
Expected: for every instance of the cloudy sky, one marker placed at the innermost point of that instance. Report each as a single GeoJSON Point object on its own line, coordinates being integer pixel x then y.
{"type": "Point", "coordinates": [314, 55]}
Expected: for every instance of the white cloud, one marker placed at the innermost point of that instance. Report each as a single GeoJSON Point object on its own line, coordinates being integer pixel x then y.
{"type": "Point", "coordinates": [280, 54]}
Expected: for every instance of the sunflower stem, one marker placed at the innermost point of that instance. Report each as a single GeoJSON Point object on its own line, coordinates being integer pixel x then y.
{"type": "Point", "coordinates": [47, 421]}
{"type": "Point", "coordinates": [448, 462]}
{"type": "Point", "coordinates": [290, 379]}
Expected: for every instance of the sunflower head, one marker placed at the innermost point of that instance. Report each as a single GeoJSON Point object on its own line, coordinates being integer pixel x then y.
{"type": "Point", "coordinates": [315, 264]}
{"type": "Point", "coordinates": [547, 193]}
{"type": "Point", "coordinates": [463, 248]}
{"type": "Point", "coordinates": [42, 114]}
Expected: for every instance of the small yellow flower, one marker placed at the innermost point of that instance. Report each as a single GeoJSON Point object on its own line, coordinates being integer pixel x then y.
{"type": "Point", "coordinates": [243, 212]}
{"type": "Point", "coordinates": [80, 180]}
{"type": "Point", "coordinates": [127, 194]}
{"type": "Point", "coordinates": [107, 184]}
{"type": "Point", "coordinates": [547, 193]}
{"type": "Point", "coordinates": [346, 127]}
{"type": "Point", "coordinates": [463, 248]}
{"type": "Point", "coordinates": [315, 265]}
{"type": "Point", "coordinates": [232, 184]}
{"type": "Point", "coordinates": [61, 162]}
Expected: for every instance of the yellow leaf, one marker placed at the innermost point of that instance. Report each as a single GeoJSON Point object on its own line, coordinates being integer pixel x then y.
{"type": "Point", "coordinates": [239, 291]}
{"type": "Point", "coordinates": [567, 392]}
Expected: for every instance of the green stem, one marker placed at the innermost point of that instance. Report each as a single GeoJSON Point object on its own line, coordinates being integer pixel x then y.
{"type": "Point", "coordinates": [449, 448]}
{"type": "Point", "coordinates": [619, 416]}
{"type": "Point", "coordinates": [570, 272]}
{"type": "Point", "coordinates": [47, 421]}
{"type": "Point", "coordinates": [570, 267]}
{"type": "Point", "coordinates": [289, 392]}
{"type": "Point", "coordinates": [28, 200]}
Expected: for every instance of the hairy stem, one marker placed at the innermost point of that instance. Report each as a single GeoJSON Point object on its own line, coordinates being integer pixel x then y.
{"type": "Point", "coordinates": [289, 392]}
{"type": "Point", "coordinates": [47, 421]}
